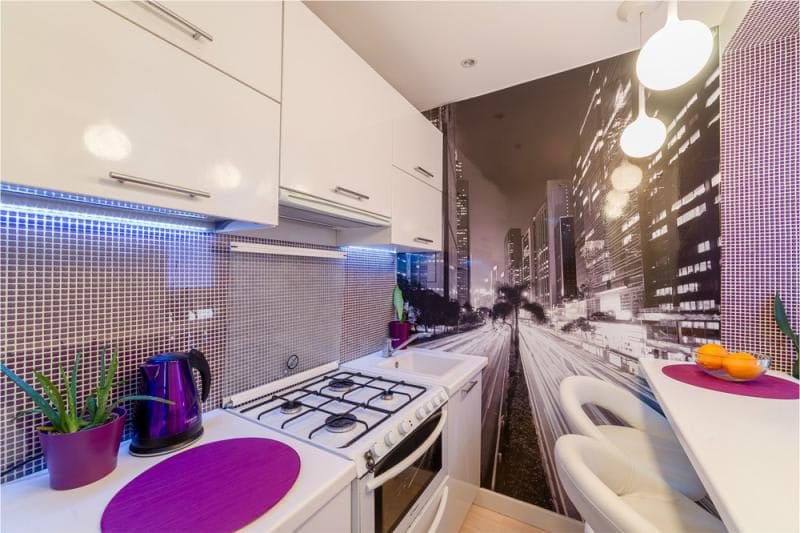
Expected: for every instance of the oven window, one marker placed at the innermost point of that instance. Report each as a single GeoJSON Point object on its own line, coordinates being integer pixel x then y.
{"type": "Point", "coordinates": [396, 497]}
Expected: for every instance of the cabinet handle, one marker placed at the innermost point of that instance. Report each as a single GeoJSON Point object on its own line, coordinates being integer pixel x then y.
{"type": "Point", "coordinates": [127, 178]}
{"type": "Point", "coordinates": [197, 32]}
{"type": "Point", "coordinates": [469, 387]}
{"type": "Point", "coordinates": [423, 240]}
{"type": "Point", "coordinates": [348, 192]}
{"type": "Point", "coordinates": [424, 172]}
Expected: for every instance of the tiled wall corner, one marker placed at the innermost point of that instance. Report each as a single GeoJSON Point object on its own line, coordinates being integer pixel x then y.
{"type": "Point", "coordinates": [760, 189]}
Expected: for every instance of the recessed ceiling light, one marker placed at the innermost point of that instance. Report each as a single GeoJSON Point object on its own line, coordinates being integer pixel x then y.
{"type": "Point", "coordinates": [468, 62]}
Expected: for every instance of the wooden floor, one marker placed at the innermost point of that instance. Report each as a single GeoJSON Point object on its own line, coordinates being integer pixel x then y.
{"type": "Point", "coordinates": [482, 520]}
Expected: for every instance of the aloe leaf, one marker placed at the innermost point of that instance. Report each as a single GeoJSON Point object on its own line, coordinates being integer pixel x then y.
{"type": "Point", "coordinates": [398, 303]}
{"type": "Point", "coordinates": [70, 424]}
{"type": "Point", "coordinates": [37, 398]}
{"type": "Point", "coordinates": [54, 395]}
{"type": "Point", "coordinates": [783, 321]}
{"type": "Point", "coordinates": [26, 412]}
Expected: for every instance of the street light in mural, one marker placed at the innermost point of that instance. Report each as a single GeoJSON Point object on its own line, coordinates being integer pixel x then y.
{"type": "Point", "coordinates": [645, 135]}
{"type": "Point", "coordinates": [615, 203]}
{"type": "Point", "coordinates": [674, 54]}
{"type": "Point", "coordinates": [626, 177]}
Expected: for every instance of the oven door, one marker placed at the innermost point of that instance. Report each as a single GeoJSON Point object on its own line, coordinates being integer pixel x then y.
{"type": "Point", "coordinates": [405, 479]}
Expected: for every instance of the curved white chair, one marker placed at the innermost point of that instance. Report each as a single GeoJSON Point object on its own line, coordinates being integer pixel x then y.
{"type": "Point", "coordinates": [613, 496]}
{"type": "Point", "coordinates": [649, 441]}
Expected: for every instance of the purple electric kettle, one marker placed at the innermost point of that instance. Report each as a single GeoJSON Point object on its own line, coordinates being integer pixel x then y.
{"type": "Point", "coordinates": [161, 427]}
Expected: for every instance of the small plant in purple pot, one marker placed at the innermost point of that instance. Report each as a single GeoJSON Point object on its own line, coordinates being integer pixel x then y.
{"type": "Point", "coordinates": [80, 446]}
{"type": "Point", "coordinates": [399, 329]}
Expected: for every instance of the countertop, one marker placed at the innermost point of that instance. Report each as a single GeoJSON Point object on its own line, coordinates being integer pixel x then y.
{"type": "Point", "coordinates": [744, 449]}
{"type": "Point", "coordinates": [30, 505]}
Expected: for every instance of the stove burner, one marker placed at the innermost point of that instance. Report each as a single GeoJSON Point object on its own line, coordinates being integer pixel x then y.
{"type": "Point", "coordinates": [340, 423]}
{"type": "Point", "coordinates": [387, 396]}
{"type": "Point", "coordinates": [291, 407]}
{"type": "Point", "coordinates": [341, 385]}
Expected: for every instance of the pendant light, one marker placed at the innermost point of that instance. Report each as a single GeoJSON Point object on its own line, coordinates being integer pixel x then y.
{"type": "Point", "coordinates": [674, 54]}
{"type": "Point", "coordinates": [626, 177]}
{"type": "Point", "coordinates": [645, 135]}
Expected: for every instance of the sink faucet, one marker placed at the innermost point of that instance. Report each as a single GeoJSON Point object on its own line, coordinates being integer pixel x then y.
{"type": "Point", "coordinates": [389, 351]}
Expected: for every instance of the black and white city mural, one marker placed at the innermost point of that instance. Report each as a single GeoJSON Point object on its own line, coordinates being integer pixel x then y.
{"type": "Point", "coordinates": [563, 257]}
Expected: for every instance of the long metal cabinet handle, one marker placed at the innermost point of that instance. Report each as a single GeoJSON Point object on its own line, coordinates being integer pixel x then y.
{"type": "Point", "coordinates": [422, 170]}
{"type": "Point", "coordinates": [127, 178]}
{"type": "Point", "coordinates": [197, 32]}
{"type": "Point", "coordinates": [349, 192]}
{"type": "Point", "coordinates": [423, 240]}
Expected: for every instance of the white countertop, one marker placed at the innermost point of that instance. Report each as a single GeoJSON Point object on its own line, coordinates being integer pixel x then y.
{"type": "Point", "coordinates": [745, 450]}
{"type": "Point", "coordinates": [30, 505]}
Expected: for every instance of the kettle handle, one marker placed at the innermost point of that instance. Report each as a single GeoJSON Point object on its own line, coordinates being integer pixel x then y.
{"type": "Point", "coordinates": [198, 361]}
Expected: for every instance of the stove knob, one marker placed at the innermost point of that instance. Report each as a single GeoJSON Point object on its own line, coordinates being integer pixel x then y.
{"type": "Point", "coordinates": [420, 413]}
{"type": "Point", "coordinates": [441, 398]}
{"type": "Point", "coordinates": [403, 427]}
{"type": "Point", "coordinates": [429, 408]}
{"type": "Point", "coordinates": [389, 438]}
{"type": "Point", "coordinates": [377, 449]}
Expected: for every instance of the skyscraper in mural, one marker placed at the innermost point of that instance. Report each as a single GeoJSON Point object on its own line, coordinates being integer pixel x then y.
{"type": "Point", "coordinates": [462, 234]}
{"type": "Point", "coordinates": [550, 256]}
{"type": "Point", "coordinates": [513, 257]}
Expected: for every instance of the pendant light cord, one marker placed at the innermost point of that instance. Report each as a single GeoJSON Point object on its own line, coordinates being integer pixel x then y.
{"type": "Point", "coordinates": [641, 87]}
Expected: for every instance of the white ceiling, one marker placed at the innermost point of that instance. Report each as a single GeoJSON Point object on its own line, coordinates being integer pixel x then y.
{"type": "Point", "coordinates": [418, 45]}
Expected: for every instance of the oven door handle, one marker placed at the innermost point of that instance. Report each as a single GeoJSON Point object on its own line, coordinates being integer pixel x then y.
{"type": "Point", "coordinates": [413, 456]}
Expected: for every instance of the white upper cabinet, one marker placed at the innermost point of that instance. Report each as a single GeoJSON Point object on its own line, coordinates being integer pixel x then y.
{"type": "Point", "coordinates": [417, 146]}
{"type": "Point", "coordinates": [87, 96]}
{"type": "Point", "coordinates": [416, 219]}
{"type": "Point", "coordinates": [336, 133]}
{"type": "Point", "coordinates": [242, 39]}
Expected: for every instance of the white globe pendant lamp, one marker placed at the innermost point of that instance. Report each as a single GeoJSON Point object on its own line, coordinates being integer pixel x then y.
{"type": "Point", "coordinates": [626, 177]}
{"type": "Point", "coordinates": [674, 54]}
{"type": "Point", "coordinates": [645, 135]}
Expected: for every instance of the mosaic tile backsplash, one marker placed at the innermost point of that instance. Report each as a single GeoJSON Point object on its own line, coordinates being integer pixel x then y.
{"type": "Point", "coordinates": [760, 189]}
{"type": "Point", "coordinates": [76, 283]}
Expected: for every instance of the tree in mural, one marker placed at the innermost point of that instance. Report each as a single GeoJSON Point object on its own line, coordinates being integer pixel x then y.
{"type": "Point", "coordinates": [513, 298]}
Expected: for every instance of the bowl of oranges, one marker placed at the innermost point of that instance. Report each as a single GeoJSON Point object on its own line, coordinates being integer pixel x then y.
{"type": "Point", "coordinates": [715, 360]}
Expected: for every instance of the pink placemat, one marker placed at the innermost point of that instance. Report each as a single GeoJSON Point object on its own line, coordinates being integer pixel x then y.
{"type": "Point", "coordinates": [763, 387]}
{"type": "Point", "coordinates": [220, 486]}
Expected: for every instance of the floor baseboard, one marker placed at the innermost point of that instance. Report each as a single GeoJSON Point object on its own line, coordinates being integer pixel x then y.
{"type": "Point", "coordinates": [527, 513]}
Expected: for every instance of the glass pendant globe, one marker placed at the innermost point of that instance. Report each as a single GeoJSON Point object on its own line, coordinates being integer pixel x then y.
{"type": "Point", "coordinates": [616, 198]}
{"type": "Point", "coordinates": [626, 177]}
{"type": "Point", "coordinates": [643, 137]}
{"type": "Point", "coordinates": [674, 54]}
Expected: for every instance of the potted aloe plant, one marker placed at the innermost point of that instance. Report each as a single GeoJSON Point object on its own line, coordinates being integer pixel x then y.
{"type": "Point", "coordinates": [80, 446]}
{"type": "Point", "coordinates": [783, 323]}
{"type": "Point", "coordinates": [399, 329]}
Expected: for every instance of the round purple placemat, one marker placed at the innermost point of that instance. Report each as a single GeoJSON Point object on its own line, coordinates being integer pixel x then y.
{"type": "Point", "coordinates": [763, 387]}
{"type": "Point", "coordinates": [220, 486]}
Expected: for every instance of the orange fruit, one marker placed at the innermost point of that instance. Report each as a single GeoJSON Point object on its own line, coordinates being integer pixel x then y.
{"type": "Point", "coordinates": [741, 366]}
{"type": "Point", "coordinates": [710, 356]}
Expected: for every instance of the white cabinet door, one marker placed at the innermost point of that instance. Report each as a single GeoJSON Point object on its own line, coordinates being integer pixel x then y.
{"type": "Point", "coordinates": [85, 93]}
{"type": "Point", "coordinates": [336, 118]}
{"type": "Point", "coordinates": [463, 452]}
{"type": "Point", "coordinates": [416, 214]}
{"type": "Point", "coordinates": [242, 39]}
{"type": "Point", "coordinates": [417, 147]}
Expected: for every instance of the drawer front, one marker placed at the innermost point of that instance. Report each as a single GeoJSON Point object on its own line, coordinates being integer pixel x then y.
{"type": "Point", "coordinates": [242, 39]}
{"type": "Point", "coordinates": [417, 148]}
{"type": "Point", "coordinates": [78, 105]}
{"type": "Point", "coordinates": [416, 214]}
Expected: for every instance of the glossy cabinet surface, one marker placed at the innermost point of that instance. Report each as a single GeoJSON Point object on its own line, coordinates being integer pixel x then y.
{"type": "Point", "coordinates": [86, 93]}
{"type": "Point", "coordinates": [463, 452]}
{"type": "Point", "coordinates": [242, 39]}
{"type": "Point", "coordinates": [417, 146]}
{"type": "Point", "coordinates": [336, 129]}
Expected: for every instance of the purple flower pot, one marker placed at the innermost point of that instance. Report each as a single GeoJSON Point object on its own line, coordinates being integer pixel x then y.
{"type": "Point", "coordinates": [399, 332]}
{"type": "Point", "coordinates": [77, 459]}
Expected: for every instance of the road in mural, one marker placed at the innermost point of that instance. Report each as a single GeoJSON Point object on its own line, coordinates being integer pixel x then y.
{"type": "Point", "coordinates": [567, 258]}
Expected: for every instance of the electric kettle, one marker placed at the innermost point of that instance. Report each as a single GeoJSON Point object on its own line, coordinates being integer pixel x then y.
{"type": "Point", "coordinates": [160, 427]}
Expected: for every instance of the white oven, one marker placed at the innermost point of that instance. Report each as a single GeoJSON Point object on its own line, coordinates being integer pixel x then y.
{"type": "Point", "coordinates": [400, 485]}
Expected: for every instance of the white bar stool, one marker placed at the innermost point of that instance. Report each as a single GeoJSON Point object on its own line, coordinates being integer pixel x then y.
{"type": "Point", "coordinates": [613, 496]}
{"type": "Point", "coordinates": [649, 442]}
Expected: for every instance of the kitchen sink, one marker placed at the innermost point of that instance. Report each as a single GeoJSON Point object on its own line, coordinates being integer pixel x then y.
{"type": "Point", "coordinates": [420, 363]}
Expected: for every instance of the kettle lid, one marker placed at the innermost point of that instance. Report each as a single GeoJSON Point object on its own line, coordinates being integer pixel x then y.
{"type": "Point", "coordinates": [168, 356]}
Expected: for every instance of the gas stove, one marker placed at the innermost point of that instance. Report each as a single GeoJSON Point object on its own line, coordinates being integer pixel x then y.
{"type": "Point", "coordinates": [348, 412]}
